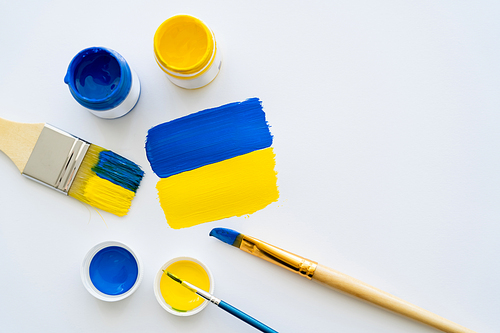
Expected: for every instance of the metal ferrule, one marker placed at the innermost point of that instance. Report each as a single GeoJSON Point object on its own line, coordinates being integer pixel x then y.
{"type": "Point", "coordinates": [280, 257]}
{"type": "Point", "coordinates": [201, 293]}
{"type": "Point", "coordinates": [56, 158]}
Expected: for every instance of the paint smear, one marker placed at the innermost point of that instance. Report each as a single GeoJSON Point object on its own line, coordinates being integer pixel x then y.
{"type": "Point", "coordinates": [214, 164]}
{"type": "Point", "coordinates": [234, 187]}
{"type": "Point", "coordinates": [178, 297]}
{"type": "Point", "coordinates": [207, 137]}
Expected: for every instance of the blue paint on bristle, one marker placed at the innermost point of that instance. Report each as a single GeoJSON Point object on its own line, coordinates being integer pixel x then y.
{"type": "Point", "coordinates": [228, 236]}
{"type": "Point", "coordinates": [207, 137]}
{"type": "Point", "coordinates": [118, 170]}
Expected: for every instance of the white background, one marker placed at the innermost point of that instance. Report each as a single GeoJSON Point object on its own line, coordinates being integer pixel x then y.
{"type": "Point", "coordinates": [386, 122]}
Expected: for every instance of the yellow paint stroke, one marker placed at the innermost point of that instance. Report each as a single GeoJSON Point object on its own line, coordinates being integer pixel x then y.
{"type": "Point", "coordinates": [178, 297]}
{"type": "Point", "coordinates": [234, 187]}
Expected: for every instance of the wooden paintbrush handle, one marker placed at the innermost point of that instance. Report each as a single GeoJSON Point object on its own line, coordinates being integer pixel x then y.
{"type": "Point", "coordinates": [354, 287]}
{"type": "Point", "coordinates": [17, 140]}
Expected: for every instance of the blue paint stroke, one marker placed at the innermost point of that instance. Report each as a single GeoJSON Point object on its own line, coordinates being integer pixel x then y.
{"type": "Point", "coordinates": [118, 170]}
{"type": "Point", "coordinates": [207, 137]}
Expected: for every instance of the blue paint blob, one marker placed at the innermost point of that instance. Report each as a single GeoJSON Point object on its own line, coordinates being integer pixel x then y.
{"type": "Point", "coordinates": [118, 170]}
{"type": "Point", "coordinates": [207, 137]}
{"type": "Point", "coordinates": [99, 78]}
{"type": "Point", "coordinates": [228, 236]}
{"type": "Point", "coordinates": [113, 270]}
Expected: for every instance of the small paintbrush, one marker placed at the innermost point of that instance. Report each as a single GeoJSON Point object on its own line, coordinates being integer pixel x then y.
{"type": "Point", "coordinates": [334, 279]}
{"type": "Point", "coordinates": [70, 165]}
{"type": "Point", "coordinates": [223, 305]}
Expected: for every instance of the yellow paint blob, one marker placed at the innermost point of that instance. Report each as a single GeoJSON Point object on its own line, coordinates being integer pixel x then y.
{"type": "Point", "coordinates": [98, 192]}
{"type": "Point", "coordinates": [238, 186]}
{"type": "Point", "coordinates": [183, 44]}
{"type": "Point", "coordinates": [178, 297]}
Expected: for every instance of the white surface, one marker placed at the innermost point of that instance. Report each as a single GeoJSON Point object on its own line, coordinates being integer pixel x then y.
{"type": "Point", "coordinates": [387, 134]}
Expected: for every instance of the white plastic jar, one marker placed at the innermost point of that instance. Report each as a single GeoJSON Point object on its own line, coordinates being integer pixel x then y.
{"type": "Point", "coordinates": [186, 50]}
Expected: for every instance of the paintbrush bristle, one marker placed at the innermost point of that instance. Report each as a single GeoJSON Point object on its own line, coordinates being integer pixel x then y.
{"type": "Point", "coordinates": [173, 277]}
{"type": "Point", "coordinates": [106, 180]}
{"type": "Point", "coordinates": [72, 166]}
{"type": "Point", "coordinates": [226, 235]}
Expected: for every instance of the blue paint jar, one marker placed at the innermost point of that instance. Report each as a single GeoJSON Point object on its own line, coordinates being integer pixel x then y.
{"type": "Point", "coordinates": [102, 81]}
{"type": "Point", "coordinates": [111, 271]}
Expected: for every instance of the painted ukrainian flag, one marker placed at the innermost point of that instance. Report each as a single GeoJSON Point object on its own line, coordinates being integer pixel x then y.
{"type": "Point", "coordinates": [214, 164]}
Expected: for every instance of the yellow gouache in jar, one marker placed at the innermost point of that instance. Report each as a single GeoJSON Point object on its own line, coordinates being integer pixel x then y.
{"type": "Point", "coordinates": [178, 297]}
{"type": "Point", "coordinates": [183, 44]}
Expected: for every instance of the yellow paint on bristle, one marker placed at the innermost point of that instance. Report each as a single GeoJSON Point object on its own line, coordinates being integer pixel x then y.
{"type": "Point", "coordinates": [98, 192]}
{"type": "Point", "coordinates": [184, 44]}
{"type": "Point", "coordinates": [85, 172]}
{"type": "Point", "coordinates": [105, 195]}
{"type": "Point", "coordinates": [178, 297]}
{"type": "Point", "coordinates": [234, 187]}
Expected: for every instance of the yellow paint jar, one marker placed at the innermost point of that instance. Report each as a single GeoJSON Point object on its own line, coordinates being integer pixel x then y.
{"type": "Point", "coordinates": [175, 298]}
{"type": "Point", "coordinates": [186, 50]}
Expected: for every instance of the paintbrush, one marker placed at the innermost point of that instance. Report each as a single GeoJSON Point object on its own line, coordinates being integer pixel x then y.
{"type": "Point", "coordinates": [70, 165]}
{"type": "Point", "coordinates": [334, 279]}
{"type": "Point", "coordinates": [223, 305]}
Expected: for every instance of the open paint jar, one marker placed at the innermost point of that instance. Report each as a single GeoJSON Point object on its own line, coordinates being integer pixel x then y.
{"type": "Point", "coordinates": [102, 81]}
{"type": "Point", "coordinates": [175, 298]}
{"type": "Point", "coordinates": [111, 271]}
{"type": "Point", "coordinates": [186, 50]}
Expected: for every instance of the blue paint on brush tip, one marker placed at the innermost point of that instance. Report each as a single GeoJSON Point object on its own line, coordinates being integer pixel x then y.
{"type": "Point", "coordinates": [118, 170]}
{"type": "Point", "coordinates": [226, 235]}
{"type": "Point", "coordinates": [207, 137]}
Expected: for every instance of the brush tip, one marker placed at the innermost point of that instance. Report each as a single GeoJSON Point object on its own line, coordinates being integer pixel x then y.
{"type": "Point", "coordinates": [106, 180]}
{"type": "Point", "coordinates": [173, 277]}
{"type": "Point", "coordinates": [228, 236]}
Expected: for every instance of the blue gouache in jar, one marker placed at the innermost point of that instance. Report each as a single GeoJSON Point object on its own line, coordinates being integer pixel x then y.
{"type": "Point", "coordinates": [113, 270]}
{"type": "Point", "coordinates": [99, 78]}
